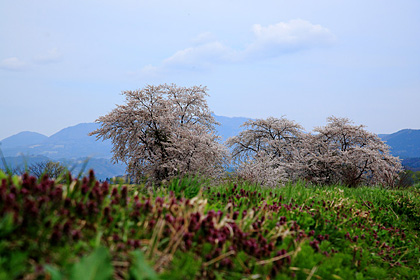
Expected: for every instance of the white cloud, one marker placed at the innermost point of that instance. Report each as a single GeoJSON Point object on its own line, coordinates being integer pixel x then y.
{"type": "Point", "coordinates": [13, 64]}
{"type": "Point", "coordinates": [203, 38]}
{"type": "Point", "coordinates": [201, 55]}
{"type": "Point", "coordinates": [270, 41]}
{"type": "Point", "coordinates": [51, 56]}
{"type": "Point", "coordinates": [283, 37]}
{"type": "Point", "coordinates": [149, 70]}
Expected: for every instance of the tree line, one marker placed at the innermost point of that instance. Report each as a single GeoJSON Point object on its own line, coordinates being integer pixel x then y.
{"type": "Point", "coordinates": [165, 131]}
{"type": "Point", "coordinates": [48, 168]}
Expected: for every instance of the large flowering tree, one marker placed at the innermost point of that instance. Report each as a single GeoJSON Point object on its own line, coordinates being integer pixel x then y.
{"type": "Point", "coordinates": [344, 153]}
{"type": "Point", "coordinates": [265, 151]}
{"type": "Point", "coordinates": [163, 131]}
{"type": "Point", "coordinates": [273, 151]}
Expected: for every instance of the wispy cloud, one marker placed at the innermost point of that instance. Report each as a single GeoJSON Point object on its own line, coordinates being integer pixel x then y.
{"type": "Point", "coordinates": [52, 56]}
{"type": "Point", "coordinates": [284, 37]}
{"type": "Point", "coordinates": [13, 64]}
{"type": "Point", "coordinates": [199, 57]}
{"type": "Point", "coordinates": [16, 64]}
{"type": "Point", "coordinates": [270, 41]}
{"type": "Point", "coordinates": [204, 37]}
{"type": "Point", "coordinates": [208, 53]}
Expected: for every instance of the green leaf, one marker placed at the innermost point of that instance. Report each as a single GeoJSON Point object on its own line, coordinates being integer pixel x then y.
{"type": "Point", "coordinates": [16, 180]}
{"type": "Point", "coordinates": [140, 269]}
{"type": "Point", "coordinates": [185, 265]}
{"type": "Point", "coordinates": [54, 272]}
{"type": "Point", "coordinates": [13, 264]}
{"type": "Point", "coordinates": [96, 266]}
{"type": "Point", "coordinates": [97, 241]}
{"type": "Point", "coordinates": [2, 175]}
{"type": "Point", "coordinates": [6, 225]}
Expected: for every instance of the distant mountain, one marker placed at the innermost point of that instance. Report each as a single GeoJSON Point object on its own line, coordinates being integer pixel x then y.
{"type": "Point", "coordinates": [103, 168]}
{"type": "Point", "coordinates": [73, 144]}
{"type": "Point", "coordinates": [412, 164]}
{"type": "Point", "coordinates": [21, 161]}
{"type": "Point", "coordinates": [229, 126]}
{"type": "Point", "coordinates": [70, 143]}
{"type": "Point", "coordinates": [23, 139]}
{"type": "Point", "coordinates": [404, 143]}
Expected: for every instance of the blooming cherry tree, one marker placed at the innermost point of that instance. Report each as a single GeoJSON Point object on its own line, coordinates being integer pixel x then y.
{"type": "Point", "coordinates": [272, 151]}
{"type": "Point", "coordinates": [265, 151]}
{"type": "Point", "coordinates": [163, 131]}
{"type": "Point", "coordinates": [341, 152]}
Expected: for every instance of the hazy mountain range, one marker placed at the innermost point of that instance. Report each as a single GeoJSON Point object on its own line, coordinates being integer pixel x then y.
{"type": "Point", "coordinates": [404, 143]}
{"type": "Point", "coordinates": [72, 146]}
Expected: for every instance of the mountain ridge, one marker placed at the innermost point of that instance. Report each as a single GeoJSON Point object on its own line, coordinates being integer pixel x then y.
{"type": "Point", "coordinates": [24, 138]}
{"type": "Point", "coordinates": [73, 143]}
{"type": "Point", "coordinates": [404, 143]}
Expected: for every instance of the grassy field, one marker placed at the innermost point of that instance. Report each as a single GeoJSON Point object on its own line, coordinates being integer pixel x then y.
{"type": "Point", "coordinates": [193, 229]}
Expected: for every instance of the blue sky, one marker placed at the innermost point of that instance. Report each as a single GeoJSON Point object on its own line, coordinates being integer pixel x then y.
{"type": "Point", "coordinates": [66, 62]}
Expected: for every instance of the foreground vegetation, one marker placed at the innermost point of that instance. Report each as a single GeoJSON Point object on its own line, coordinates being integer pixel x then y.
{"type": "Point", "coordinates": [187, 229]}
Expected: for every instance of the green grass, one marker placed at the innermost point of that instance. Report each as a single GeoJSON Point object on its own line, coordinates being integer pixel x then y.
{"type": "Point", "coordinates": [190, 228]}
